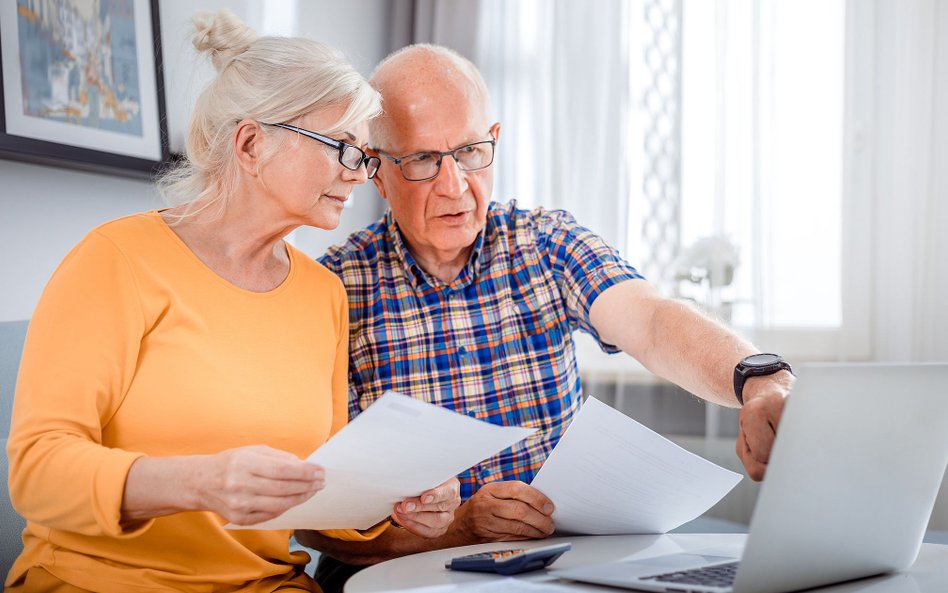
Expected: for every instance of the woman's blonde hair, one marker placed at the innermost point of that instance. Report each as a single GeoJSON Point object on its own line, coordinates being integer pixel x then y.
{"type": "Point", "coordinates": [267, 79]}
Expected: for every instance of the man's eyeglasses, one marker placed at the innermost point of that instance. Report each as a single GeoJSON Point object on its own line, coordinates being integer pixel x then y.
{"type": "Point", "coordinates": [351, 157]}
{"type": "Point", "coordinates": [422, 166]}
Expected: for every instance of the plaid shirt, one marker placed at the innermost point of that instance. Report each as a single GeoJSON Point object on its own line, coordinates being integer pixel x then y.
{"type": "Point", "coordinates": [495, 343]}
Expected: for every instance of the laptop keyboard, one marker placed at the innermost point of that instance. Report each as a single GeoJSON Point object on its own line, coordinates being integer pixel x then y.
{"type": "Point", "coordinates": [717, 575]}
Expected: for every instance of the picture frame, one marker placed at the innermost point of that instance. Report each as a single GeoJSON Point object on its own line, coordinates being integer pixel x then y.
{"type": "Point", "coordinates": [81, 90]}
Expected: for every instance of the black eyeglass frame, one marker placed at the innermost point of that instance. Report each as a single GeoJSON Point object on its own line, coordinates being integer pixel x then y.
{"type": "Point", "coordinates": [397, 160]}
{"type": "Point", "coordinates": [339, 145]}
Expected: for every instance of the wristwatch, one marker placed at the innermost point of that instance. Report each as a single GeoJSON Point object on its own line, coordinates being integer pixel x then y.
{"type": "Point", "coordinates": [757, 365]}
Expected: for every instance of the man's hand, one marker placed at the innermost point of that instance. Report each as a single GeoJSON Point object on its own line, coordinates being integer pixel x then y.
{"type": "Point", "coordinates": [504, 511]}
{"type": "Point", "coordinates": [764, 399]}
{"type": "Point", "coordinates": [430, 513]}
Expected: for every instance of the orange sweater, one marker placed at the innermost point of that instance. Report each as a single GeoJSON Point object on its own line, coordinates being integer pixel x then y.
{"type": "Point", "coordinates": [137, 348]}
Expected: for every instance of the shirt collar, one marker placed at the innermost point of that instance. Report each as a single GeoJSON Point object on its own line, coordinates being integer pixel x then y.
{"type": "Point", "coordinates": [422, 280]}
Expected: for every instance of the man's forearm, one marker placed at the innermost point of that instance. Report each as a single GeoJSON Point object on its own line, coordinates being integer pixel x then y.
{"type": "Point", "coordinates": [695, 352]}
{"type": "Point", "coordinates": [672, 339]}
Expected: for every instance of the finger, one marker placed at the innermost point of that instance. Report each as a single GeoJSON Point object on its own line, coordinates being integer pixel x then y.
{"type": "Point", "coordinates": [426, 520]}
{"type": "Point", "coordinates": [250, 485]}
{"type": "Point", "coordinates": [522, 519]}
{"type": "Point", "coordinates": [282, 488]}
{"type": "Point", "coordinates": [444, 497]}
{"type": "Point", "coordinates": [415, 505]}
{"type": "Point", "coordinates": [286, 469]}
{"type": "Point", "coordinates": [755, 469]}
{"type": "Point", "coordinates": [448, 491]}
{"type": "Point", "coordinates": [518, 491]}
{"type": "Point", "coordinates": [512, 530]}
{"type": "Point", "coordinates": [243, 508]}
{"type": "Point", "coordinates": [758, 434]}
{"type": "Point", "coordinates": [254, 517]}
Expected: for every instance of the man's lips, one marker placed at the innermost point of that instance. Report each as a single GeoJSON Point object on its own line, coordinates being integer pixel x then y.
{"type": "Point", "coordinates": [451, 215]}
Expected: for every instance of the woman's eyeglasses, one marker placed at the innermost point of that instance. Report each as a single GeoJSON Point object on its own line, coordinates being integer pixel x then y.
{"type": "Point", "coordinates": [351, 157]}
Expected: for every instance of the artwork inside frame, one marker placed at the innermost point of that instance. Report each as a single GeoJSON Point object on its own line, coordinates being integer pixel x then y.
{"type": "Point", "coordinates": [81, 85]}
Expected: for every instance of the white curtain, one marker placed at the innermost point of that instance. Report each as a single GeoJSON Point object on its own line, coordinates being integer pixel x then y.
{"type": "Point", "coordinates": [910, 234]}
{"type": "Point", "coordinates": [451, 23]}
{"type": "Point", "coordinates": [558, 75]}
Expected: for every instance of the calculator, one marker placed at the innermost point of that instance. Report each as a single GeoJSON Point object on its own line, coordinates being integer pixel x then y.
{"type": "Point", "coordinates": [509, 561]}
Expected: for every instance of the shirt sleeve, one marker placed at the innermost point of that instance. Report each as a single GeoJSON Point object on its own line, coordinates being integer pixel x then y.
{"type": "Point", "coordinates": [583, 266]}
{"type": "Point", "coordinates": [79, 358]}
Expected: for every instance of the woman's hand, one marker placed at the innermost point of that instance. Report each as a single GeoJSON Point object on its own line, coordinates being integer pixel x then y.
{"type": "Point", "coordinates": [248, 485]}
{"type": "Point", "coordinates": [430, 513]}
{"type": "Point", "coordinates": [245, 485]}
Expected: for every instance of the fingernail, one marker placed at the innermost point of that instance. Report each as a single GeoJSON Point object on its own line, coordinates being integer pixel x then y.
{"type": "Point", "coordinates": [428, 499]}
{"type": "Point", "coordinates": [547, 508]}
{"type": "Point", "coordinates": [410, 507]}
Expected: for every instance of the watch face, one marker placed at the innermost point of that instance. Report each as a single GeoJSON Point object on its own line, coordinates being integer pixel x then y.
{"type": "Point", "coordinates": [761, 360]}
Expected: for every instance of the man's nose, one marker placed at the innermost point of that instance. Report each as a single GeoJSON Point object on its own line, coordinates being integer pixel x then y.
{"type": "Point", "coordinates": [450, 181]}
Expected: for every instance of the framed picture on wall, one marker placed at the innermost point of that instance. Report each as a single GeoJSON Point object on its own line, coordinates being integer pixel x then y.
{"type": "Point", "coordinates": [82, 85]}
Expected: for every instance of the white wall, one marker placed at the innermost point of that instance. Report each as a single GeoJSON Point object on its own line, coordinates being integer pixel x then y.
{"type": "Point", "coordinates": [44, 211]}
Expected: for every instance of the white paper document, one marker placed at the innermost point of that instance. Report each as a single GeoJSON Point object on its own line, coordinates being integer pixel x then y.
{"type": "Point", "coordinates": [396, 449]}
{"type": "Point", "coordinates": [609, 475]}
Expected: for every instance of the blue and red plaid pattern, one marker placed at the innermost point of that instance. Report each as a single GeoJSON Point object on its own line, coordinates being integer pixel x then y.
{"type": "Point", "coordinates": [496, 343]}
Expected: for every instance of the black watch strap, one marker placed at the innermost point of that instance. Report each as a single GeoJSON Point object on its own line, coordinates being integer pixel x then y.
{"type": "Point", "coordinates": [757, 365]}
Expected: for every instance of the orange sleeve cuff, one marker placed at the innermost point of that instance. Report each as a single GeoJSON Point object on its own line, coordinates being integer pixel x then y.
{"type": "Point", "coordinates": [355, 535]}
{"type": "Point", "coordinates": [108, 491]}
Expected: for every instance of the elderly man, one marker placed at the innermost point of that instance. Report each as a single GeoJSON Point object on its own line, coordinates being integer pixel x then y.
{"type": "Point", "coordinates": [471, 304]}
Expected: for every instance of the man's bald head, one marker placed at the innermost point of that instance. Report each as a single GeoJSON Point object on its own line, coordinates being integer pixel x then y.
{"type": "Point", "coordinates": [419, 77]}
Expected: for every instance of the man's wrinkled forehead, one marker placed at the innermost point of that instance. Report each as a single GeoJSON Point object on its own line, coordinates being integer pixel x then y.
{"type": "Point", "coordinates": [432, 121]}
{"type": "Point", "coordinates": [423, 93]}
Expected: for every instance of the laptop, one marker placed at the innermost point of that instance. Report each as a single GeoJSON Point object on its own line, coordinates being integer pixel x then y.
{"type": "Point", "coordinates": [851, 483]}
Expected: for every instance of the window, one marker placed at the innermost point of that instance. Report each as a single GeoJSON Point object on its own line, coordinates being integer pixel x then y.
{"type": "Point", "coordinates": [737, 119]}
{"type": "Point", "coordinates": [757, 159]}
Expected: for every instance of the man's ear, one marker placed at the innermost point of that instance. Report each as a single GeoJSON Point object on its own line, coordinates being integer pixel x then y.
{"type": "Point", "coordinates": [248, 143]}
{"type": "Point", "coordinates": [379, 185]}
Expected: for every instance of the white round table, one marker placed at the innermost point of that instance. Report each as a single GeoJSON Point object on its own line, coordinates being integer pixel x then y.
{"type": "Point", "coordinates": [929, 574]}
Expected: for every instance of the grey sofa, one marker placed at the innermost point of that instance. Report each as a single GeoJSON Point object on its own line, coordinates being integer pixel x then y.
{"type": "Point", "coordinates": [12, 334]}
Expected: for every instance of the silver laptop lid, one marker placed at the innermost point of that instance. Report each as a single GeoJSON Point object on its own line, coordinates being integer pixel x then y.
{"type": "Point", "coordinates": [852, 479]}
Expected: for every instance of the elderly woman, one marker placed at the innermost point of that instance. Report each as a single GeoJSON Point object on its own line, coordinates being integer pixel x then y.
{"type": "Point", "coordinates": [181, 362]}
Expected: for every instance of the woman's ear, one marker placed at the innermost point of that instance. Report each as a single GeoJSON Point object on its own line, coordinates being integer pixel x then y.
{"type": "Point", "coordinates": [248, 144]}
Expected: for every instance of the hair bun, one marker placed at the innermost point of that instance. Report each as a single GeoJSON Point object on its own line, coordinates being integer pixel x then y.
{"type": "Point", "coordinates": [223, 35]}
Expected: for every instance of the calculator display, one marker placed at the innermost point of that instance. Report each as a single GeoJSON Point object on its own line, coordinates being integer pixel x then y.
{"type": "Point", "coordinates": [499, 554]}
